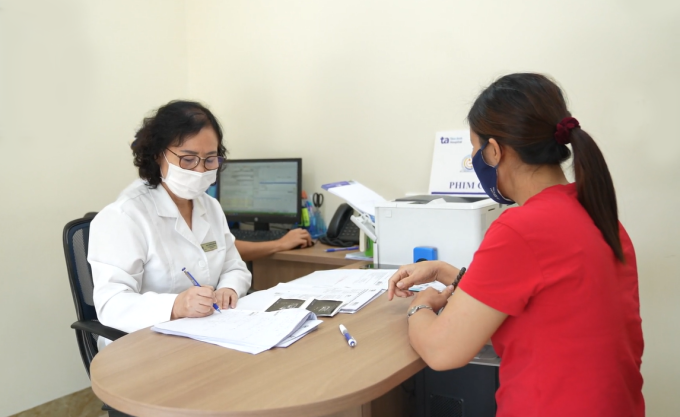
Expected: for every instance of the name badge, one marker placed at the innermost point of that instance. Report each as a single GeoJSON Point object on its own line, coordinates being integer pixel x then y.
{"type": "Point", "coordinates": [209, 246]}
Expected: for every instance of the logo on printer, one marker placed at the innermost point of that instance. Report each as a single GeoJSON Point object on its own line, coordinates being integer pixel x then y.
{"type": "Point", "coordinates": [467, 163]}
{"type": "Point", "coordinates": [450, 140]}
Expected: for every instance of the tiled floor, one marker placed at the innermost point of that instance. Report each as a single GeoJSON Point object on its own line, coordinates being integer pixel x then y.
{"type": "Point", "coordinates": [79, 404]}
{"type": "Point", "coordinates": [85, 404]}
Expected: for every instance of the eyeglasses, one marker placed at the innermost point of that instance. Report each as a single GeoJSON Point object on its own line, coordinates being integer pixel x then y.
{"type": "Point", "coordinates": [191, 161]}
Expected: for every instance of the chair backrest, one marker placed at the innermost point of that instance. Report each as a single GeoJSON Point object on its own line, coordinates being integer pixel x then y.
{"type": "Point", "coordinates": [76, 240]}
{"type": "Point", "coordinates": [76, 237]}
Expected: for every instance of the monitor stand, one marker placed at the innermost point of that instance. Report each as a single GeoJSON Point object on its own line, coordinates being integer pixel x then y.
{"type": "Point", "coordinates": [261, 226]}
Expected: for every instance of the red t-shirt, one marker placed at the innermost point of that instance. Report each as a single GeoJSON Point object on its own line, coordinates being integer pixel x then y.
{"type": "Point", "coordinates": [572, 343]}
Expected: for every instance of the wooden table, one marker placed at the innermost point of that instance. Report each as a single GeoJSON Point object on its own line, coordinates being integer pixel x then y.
{"type": "Point", "coordinates": [291, 264]}
{"type": "Point", "coordinates": [150, 374]}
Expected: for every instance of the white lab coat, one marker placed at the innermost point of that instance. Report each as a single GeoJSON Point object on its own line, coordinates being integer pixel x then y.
{"type": "Point", "coordinates": [140, 243]}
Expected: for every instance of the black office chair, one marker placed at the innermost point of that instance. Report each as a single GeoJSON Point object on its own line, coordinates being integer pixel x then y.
{"type": "Point", "coordinates": [76, 239]}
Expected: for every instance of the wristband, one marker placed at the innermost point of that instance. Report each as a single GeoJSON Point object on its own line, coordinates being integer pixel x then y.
{"type": "Point", "coordinates": [413, 310]}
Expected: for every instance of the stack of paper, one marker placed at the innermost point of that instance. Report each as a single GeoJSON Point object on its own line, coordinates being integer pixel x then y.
{"type": "Point", "coordinates": [349, 278]}
{"type": "Point", "coordinates": [353, 298]}
{"type": "Point", "coordinates": [243, 330]}
{"type": "Point", "coordinates": [359, 278]}
{"type": "Point", "coordinates": [355, 288]}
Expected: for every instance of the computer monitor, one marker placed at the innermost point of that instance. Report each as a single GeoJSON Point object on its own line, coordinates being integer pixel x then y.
{"type": "Point", "coordinates": [261, 191]}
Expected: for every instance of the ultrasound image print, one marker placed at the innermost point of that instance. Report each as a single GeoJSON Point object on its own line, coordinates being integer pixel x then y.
{"type": "Point", "coordinates": [285, 303]}
{"type": "Point", "coordinates": [323, 307]}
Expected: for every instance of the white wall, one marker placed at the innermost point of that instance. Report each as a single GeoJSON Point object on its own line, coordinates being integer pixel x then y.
{"type": "Point", "coordinates": [358, 88]}
{"type": "Point", "coordinates": [77, 78]}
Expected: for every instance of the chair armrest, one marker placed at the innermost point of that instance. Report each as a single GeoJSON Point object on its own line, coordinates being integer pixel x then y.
{"type": "Point", "coordinates": [97, 328]}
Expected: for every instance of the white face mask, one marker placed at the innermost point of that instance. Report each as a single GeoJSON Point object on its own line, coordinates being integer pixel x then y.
{"type": "Point", "coordinates": [188, 184]}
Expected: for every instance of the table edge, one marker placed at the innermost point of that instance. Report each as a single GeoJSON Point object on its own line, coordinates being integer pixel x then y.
{"type": "Point", "coordinates": [334, 405]}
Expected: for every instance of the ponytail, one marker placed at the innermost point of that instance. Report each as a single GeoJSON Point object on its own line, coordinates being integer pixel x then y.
{"type": "Point", "coordinates": [595, 188]}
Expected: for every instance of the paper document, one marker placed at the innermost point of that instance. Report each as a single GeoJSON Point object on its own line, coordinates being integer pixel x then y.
{"type": "Point", "coordinates": [353, 298]}
{"type": "Point", "coordinates": [244, 330]}
{"type": "Point", "coordinates": [422, 287]}
{"type": "Point", "coordinates": [360, 302]}
{"type": "Point", "coordinates": [356, 288]}
{"type": "Point", "coordinates": [357, 195]}
{"type": "Point", "coordinates": [452, 171]}
{"type": "Point", "coordinates": [359, 256]}
{"type": "Point", "coordinates": [306, 328]}
{"type": "Point", "coordinates": [349, 278]}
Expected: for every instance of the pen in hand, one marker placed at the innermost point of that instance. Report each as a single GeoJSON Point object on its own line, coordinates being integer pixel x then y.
{"type": "Point", "coordinates": [458, 278]}
{"type": "Point", "coordinates": [454, 284]}
{"type": "Point", "coordinates": [193, 281]}
{"type": "Point", "coordinates": [350, 340]}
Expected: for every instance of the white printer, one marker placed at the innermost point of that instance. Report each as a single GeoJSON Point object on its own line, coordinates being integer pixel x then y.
{"type": "Point", "coordinates": [455, 226]}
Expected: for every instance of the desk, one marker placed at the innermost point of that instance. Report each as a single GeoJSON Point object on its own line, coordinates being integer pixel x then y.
{"type": "Point", "coordinates": [291, 264]}
{"type": "Point", "coordinates": [151, 374]}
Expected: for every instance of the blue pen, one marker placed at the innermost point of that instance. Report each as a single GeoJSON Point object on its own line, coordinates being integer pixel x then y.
{"type": "Point", "coordinates": [350, 340]}
{"type": "Point", "coordinates": [193, 281]}
{"type": "Point", "coordinates": [341, 249]}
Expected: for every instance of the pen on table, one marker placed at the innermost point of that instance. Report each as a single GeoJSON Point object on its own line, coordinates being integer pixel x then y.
{"type": "Point", "coordinates": [340, 249]}
{"type": "Point", "coordinates": [348, 337]}
{"type": "Point", "coordinates": [193, 281]}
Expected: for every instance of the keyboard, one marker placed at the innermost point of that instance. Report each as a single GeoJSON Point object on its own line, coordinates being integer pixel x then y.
{"type": "Point", "coordinates": [258, 235]}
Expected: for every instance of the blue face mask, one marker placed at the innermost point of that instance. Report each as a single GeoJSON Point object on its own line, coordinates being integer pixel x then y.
{"type": "Point", "coordinates": [488, 177]}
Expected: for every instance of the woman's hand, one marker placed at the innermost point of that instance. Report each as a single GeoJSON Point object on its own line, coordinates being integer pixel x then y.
{"type": "Point", "coordinates": [295, 238]}
{"type": "Point", "coordinates": [194, 302]}
{"type": "Point", "coordinates": [433, 298]}
{"type": "Point", "coordinates": [226, 298]}
{"type": "Point", "coordinates": [419, 273]}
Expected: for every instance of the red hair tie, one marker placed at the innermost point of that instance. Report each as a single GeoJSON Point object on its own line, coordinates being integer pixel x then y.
{"type": "Point", "coordinates": [564, 129]}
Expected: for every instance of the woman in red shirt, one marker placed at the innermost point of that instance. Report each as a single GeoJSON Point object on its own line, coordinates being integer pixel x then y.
{"type": "Point", "coordinates": [554, 282]}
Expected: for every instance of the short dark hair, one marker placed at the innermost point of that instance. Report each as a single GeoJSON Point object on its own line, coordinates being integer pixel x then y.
{"type": "Point", "coordinates": [171, 124]}
{"type": "Point", "coordinates": [522, 111]}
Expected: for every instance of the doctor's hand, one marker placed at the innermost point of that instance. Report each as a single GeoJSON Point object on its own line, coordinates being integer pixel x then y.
{"type": "Point", "coordinates": [226, 298]}
{"type": "Point", "coordinates": [194, 302]}
{"type": "Point", "coordinates": [295, 238]}
{"type": "Point", "coordinates": [419, 273]}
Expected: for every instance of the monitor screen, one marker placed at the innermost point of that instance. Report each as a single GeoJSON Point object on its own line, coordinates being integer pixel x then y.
{"type": "Point", "coordinates": [262, 191]}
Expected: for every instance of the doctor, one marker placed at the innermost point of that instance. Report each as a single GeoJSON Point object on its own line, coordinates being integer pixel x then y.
{"type": "Point", "coordinates": [554, 282]}
{"type": "Point", "coordinates": [165, 222]}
